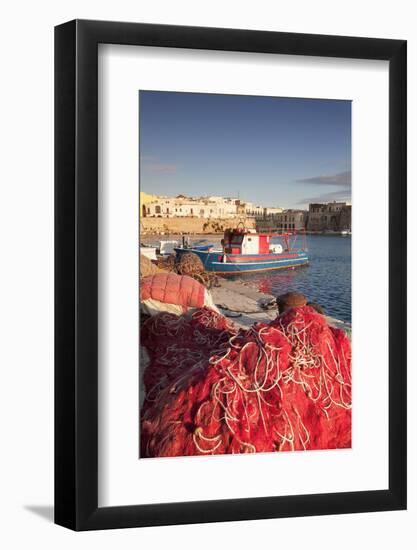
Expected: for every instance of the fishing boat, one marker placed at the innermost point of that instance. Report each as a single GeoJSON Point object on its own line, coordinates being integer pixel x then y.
{"type": "Point", "coordinates": [246, 251]}
{"type": "Point", "coordinates": [158, 249]}
{"type": "Point", "coordinates": [149, 252]}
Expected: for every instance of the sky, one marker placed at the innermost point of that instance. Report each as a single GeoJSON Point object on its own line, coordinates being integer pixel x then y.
{"type": "Point", "coordinates": [282, 152]}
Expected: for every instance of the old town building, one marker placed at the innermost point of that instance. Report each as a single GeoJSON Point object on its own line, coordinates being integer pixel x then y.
{"type": "Point", "coordinates": [332, 216]}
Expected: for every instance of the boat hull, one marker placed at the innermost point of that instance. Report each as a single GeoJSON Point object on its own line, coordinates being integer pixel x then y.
{"type": "Point", "coordinates": [239, 264]}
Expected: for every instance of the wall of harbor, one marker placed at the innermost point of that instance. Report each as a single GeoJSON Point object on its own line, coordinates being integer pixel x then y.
{"type": "Point", "coordinates": [189, 225]}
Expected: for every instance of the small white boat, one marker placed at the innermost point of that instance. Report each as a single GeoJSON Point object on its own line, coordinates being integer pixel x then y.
{"type": "Point", "coordinates": [160, 248]}
{"type": "Point", "coordinates": [167, 247]}
{"type": "Point", "coordinates": [149, 252]}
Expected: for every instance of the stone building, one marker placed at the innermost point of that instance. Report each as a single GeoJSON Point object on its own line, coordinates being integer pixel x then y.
{"type": "Point", "coordinates": [332, 216]}
{"type": "Point", "coordinates": [253, 210]}
{"type": "Point", "coordinates": [144, 200]}
{"type": "Point", "coordinates": [201, 207]}
{"type": "Point", "coordinates": [286, 220]}
{"type": "Point", "coordinates": [271, 211]}
{"type": "Point", "coordinates": [267, 212]}
{"type": "Point", "coordinates": [290, 220]}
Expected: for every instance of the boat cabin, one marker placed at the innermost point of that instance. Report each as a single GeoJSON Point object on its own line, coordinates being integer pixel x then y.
{"type": "Point", "coordinates": [243, 241]}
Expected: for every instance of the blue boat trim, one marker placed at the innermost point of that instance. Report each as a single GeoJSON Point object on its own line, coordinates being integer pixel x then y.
{"type": "Point", "coordinates": [249, 263]}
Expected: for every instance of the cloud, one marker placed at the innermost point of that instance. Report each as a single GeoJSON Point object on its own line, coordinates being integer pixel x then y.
{"type": "Point", "coordinates": [342, 179]}
{"type": "Point", "coordinates": [153, 165]}
{"type": "Point", "coordinates": [342, 195]}
{"type": "Point", "coordinates": [161, 168]}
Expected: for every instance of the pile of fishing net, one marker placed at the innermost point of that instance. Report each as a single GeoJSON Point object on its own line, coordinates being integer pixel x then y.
{"type": "Point", "coordinates": [188, 264]}
{"type": "Point", "coordinates": [146, 267]}
{"type": "Point", "coordinates": [166, 263]}
{"type": "Point", "coordinates": [213, 389]}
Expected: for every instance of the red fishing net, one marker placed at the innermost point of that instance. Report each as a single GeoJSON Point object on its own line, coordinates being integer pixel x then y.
{"type": "Point", "coordinates": [212, 389]}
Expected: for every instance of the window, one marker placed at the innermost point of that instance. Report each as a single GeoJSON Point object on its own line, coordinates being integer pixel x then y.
{"type": "Point", "coordinates": [237, 239]}
{"type": "Point", "coordinates": [157, 209]}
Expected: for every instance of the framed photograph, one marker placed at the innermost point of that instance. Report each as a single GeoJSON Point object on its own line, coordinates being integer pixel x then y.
{"type": "Point", "coordinates": [230, 254]}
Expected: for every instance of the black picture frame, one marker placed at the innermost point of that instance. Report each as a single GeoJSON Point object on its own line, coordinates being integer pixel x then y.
{"type": "Point", "coordinates": [76, 272]}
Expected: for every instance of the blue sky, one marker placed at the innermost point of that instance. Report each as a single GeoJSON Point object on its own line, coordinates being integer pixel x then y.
{"type": "Point", "coordinates": [271, 151]}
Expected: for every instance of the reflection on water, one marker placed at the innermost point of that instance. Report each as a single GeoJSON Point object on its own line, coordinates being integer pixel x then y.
{"type": "Point", "coordinates": [326, 280]}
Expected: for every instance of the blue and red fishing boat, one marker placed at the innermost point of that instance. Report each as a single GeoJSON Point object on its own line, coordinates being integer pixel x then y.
{"type": "Point", "coordinates": [246, 251]}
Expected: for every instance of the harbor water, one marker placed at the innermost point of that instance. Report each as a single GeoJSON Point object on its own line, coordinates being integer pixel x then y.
{"type": "Point", "coordinates": [326, 280]}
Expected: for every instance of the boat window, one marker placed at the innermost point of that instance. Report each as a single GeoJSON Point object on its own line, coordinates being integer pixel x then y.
{"type": "Point", "coordinates": [237, 239]}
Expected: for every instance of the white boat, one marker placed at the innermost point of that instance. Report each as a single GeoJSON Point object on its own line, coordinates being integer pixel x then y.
{"type": "Point", "coordinates": [167, 247]}
{"type": "Point", "coordinates": [149, 252]}
{"type": "Point", "coordinates": [160, 248]}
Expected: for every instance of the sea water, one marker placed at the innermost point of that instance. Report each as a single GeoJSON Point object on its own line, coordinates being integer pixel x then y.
{"type": "Point", "coordinates": [326, 280]}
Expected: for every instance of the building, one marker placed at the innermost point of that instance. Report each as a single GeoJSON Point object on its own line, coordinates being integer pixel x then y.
{"type": "Point", "coordinates": [267, 213]}
{"type": "Point", "coordinates": [197, 207]}
{"type": "Point", "coordinates": [272, 211]}
{"type": "Point", "coordinates": [332, 216]}
{"type": "Point", "coordinates": [144, 200]}
{"type": "Point", "coordinates": [217, 207]}
{"type": "Point", "coordinates": [286, 220]}
{"type": "Point", "coordinates": [253, 210]}
{"type": "Point", "coordinates": [290, 219]}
